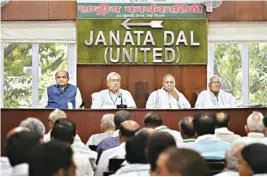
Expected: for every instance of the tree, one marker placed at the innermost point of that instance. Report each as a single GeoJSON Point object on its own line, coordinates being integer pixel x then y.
{"type": "Point", "coordinates": [17, 81]}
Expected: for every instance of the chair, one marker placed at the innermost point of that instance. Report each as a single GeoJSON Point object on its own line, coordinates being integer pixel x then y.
{"type": "Point", "coordinates": [215, 166]}
{"type": "Point", "coordinates": [114, 165]}
{"type": "Point", "coordinates": [93, 147]}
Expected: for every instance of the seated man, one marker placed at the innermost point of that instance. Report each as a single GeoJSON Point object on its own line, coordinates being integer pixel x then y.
{"type": "Point", "coordinates": [187, 130]}
{"type": "Point", "coordinates": [168, 97]}
{"type": "Point", "coordinates": [215, 97]}
{"type": "Point", "coordinates": [61, 95]}
{"type": "Point", "coordinates": [114, 95]}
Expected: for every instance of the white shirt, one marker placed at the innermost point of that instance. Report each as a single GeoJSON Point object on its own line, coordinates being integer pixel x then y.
{"type": "Point", "coordinates": [252, 137]}
{"type": "Point", "coordinates": [207, 99]}
{"type": "Point", "coordinates": [228, 173]}
{"type": "Point", "coordinates": [134, 170]}
{"type": "Point", "coordinates": [223, 130]}
{"type": "Point", "coordinates": [108, 100]}
{"type": "Point", "coordinates": [176, 135]}
{"type": "Point", "coordinates": [97, 138]}
{"type": "Point", "coordinates": [6, 168]}
{"type": "Point", "coordinates": [44, 100]}
{"type": "Point", "coordinates": [20, 170]}
{"type": "Point", "coordinates": [118, 152]}
{"type": "Point", "coordinates": [83, 165]}
{"type": "Point", "coordinates": [161, 99]}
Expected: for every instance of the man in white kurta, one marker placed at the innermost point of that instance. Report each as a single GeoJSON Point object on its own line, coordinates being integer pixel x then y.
{"type": "Point", "coordinates": [168, 97]}
{"type": "Point", "coordinates": [215, 97]}
{"type": "Point", "coordinates": [113, 96]}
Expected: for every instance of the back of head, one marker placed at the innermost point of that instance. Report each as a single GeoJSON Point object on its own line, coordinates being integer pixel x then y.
{"type": "Point", "coordinates": [157, 143]}
{"type": "Point", "coordinates": [255, 123]}
{"type": "Point", "coordinates": [46, 159]}
{"type": "Point", "coordinates": [222, 119]}
{"type": "Point", "coordinates": [107, 121]}
{"type": "Point", "coordinates": [153, 120]}
{"type": "Point", "coordinates": [185, 162]}
{"type": "Point", "coordinates": [136, 147]}
{"type": "Point", "coordinates": [203, 124]}
{"type": "Point", "coordinates": [67, 122]}
{"type": "Point", "coordinates": [56, 114]}
{"type": "Point", "coordinates": [62, 132]}
{"type": "Point", "coordinates": [34, 125]}
{"type": "Point", "coordinates": [186, 127]}
{"type": "Point", "coordinates": [121, 116]}
{"type": "Point", "coordinates": [128, 128]}
{"type": "Point", "coordinates": [19, 144]}
{"type": "Point", "coordinates": [256, 157]}
{"type": "Point", "coordinates": [264, 120]}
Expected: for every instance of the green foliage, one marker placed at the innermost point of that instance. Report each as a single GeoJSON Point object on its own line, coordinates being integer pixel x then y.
{"type": "Point", "coordinates": [18, 83]}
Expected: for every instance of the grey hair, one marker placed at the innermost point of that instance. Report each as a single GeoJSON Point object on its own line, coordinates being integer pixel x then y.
{"type": "Point", "coordinates": [34, 125]}
{"type": "Point", "coordinates": [214, 76]}
{"type": "Point", "coordinates": [111, 74]}
{"type": "Point", "coordinates": [107, 121]}
{"type": "Point", "coordinates": [231, 155]}
{"type": "Point", "coordinates": [168, 75]}
{"type": "Point", "coordinates": [255, 125]}
{"type": "Point", "coordinates": [56, 114]}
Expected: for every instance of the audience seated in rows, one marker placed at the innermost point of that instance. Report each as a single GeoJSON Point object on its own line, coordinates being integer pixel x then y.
{"type": "Point", "coordinates": [64, 131]}
{"type": "Point", "coordinates": [206, 143]}
{"type": "Point", "coordinates": [181, 162]}
{"type": "Point", "coordinates": [157, 143]}
{"type": "Point", "coordinates": [187, 131]}
{"type": "Point", "coordinates": [127, 130]}
{"type": "Point", "coordinates": [119, 117]}
{"type": "Point", "coordinates": [154, 120]}
{"type": "Point", "coordinates": [53, 158]}
{"type": "Point", "coordinates": [107, 126]}
{"type": "Point", "coordinates": [136, 161]}
{"type": "Point", "coordinates": [221, 127]}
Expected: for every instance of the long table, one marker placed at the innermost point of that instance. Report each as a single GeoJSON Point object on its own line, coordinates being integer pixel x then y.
{"type": "Point", "coordinates": [88, 121]}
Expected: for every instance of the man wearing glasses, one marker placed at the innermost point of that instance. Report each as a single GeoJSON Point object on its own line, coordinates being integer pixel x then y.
{"type": "Point", "coordinates": [62, 95]}
{"type": "Point", "coordinates": [215, 97]}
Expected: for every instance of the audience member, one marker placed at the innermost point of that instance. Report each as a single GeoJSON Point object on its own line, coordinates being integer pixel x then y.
{"type": "Point", "coordinates": [254, 129]}
{"type": "Point", "coordinates": [136, 155]}
{"type": "Point", "coordinates": [107, 126]}
{"type": "Point", "coordinates": [154, 120]}
{"type": "Point", "coordinates": [265, 124]}
{"type": "Point", "coordinates": [34, 125]}
{"type": "Point", "coordinates": [18, 146]}
{"type": "Point", "coordinates": [52, 118]}
{"type": "Point", "coordinates": [157, 143]}
{"type": "Point", "coordinates": [114, 95]}
{"type": "Point", "coordinates": [221, 127]}
{"type": "Point", "coordinates": [127, 129]}
{"type": "Point", "coordinates": [62, 95]}
{"type": "Point", "coordinates": [168, 97]}
{"type": "Point", "coordinates": [181, 162]}
{"type": "Point", "coordinates": [187, 130]}
{"type": "Point", "coordinates": [63, 132]}
{"type": "Point", "coordinates": [206, 143]}
{"type": "Point", "coordinates": [253, 160]}
{"type": "Point", "coordinates": [53, 158]}
{"type": "Point", "coordinates": [215, 97]}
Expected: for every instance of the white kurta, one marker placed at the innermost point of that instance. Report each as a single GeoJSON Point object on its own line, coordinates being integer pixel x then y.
{"type": "Point", "coordinates": [207, 99]}
{"type": "Point", "coordinates": [108, 100]}
{"type": "Point", "coordinates": [161, 99]}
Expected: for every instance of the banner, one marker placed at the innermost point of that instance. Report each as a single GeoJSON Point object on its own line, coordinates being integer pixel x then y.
{"type": "Point", "coordinates": [139, 10]}
{"type": "Point", "coordinates": [142, 41]}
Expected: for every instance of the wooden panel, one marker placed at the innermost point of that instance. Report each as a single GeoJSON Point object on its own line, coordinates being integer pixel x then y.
{"type": "Point", "coordinates": [248, 10]}
{"type": "Point", "coordinates": [62, 10]}
{"type": "Point", "coordinates": [39, 10]}
{"type": "Point", "coordinates": [194, 80]}
{"type": "Point", "coordinates": [88, 121]}
{"type": "Point", "coordinates": [92, 78]}
{"type": "Point", "coordinates": [226, 12]}
{"type": "Point", "coordinates": [264, 10]}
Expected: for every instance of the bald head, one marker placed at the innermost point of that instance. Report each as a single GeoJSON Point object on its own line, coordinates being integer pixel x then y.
{"type": "Point", "coordinates": [17, 130]}
{"type": "Point", "coordinates": [62, 72]}
{"type": "Point", "coordinates": [128, 128]}
{"type": "Point", "coordinates": [186, 127]}
{"type": "Point", "coordinates": [255, 123]}
{"type": "Point", "coordinates": [222, 119]}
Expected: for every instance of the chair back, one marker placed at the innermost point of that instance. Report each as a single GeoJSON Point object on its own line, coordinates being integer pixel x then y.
{"type": "Point", "coordinates": [215, 166]}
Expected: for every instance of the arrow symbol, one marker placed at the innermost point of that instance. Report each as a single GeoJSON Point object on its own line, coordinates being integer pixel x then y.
{"type": "Point", "coordinates": [152, 24]}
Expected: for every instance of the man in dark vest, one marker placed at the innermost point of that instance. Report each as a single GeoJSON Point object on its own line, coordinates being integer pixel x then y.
{"type": "Point", "coordinates": [61, 95]}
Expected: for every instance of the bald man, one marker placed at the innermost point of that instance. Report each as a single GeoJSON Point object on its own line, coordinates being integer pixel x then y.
{"type": "Point", "coordinates": [62, 95]}
{"type": "Point", "coordinates": [168, 97]}
{"type": "Point", "coordinates": [215, 97]}
{"type": "Point", "coordinates": [127, 130]}
{"type": "Point", "coordinates": [187, 129]}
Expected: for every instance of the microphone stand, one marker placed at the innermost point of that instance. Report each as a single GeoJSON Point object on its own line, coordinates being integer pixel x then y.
{"type": "Point", "coordinates": [121, 106]}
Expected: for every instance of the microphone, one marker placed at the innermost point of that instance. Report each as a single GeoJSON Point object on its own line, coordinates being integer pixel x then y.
{"type": "Point", "coordinates": [121, 106]}
{"type": "Point", "coordinates": [82, 105]}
